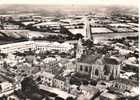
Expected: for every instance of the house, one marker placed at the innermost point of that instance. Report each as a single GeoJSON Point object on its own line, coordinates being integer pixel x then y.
{"type": "Point", "coordinates": [61, 82]}
{"type": "Point", "coordinates": [55, 46]}
{"type": "Point", "coordinates": [46, 78]}
{"type": "Point", "coordinates": [5, 86]}
{"type": "Point", "coordinates": [14, 47]}
{"type": "Point", "coordinates": [125, 87]}
{"type": "Point", "coordinates": [108, 96]}
{"type": "Point", "coordinates": [89, 91]}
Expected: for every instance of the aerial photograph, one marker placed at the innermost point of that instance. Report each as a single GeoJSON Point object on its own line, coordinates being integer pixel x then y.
{"type": "Point", "coordinates": [69, 50]}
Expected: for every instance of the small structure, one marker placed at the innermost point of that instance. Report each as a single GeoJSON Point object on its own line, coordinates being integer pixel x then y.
{"type": "Point", "coordinates": [108, 96]}
{"type": "Point", "coordinates": [89, 91]}
{"type": "Point", "coordinates": [5, 86]}
{"type": "Point", "coordinates": [46, 78]}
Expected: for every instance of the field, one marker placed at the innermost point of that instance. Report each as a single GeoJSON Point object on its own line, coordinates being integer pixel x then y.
{"type": "Point", "coordinates": [100, 30]}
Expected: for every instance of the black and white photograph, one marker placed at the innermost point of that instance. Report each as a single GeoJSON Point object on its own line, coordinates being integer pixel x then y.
{"type": "Point", "coordinates": [69, 50]}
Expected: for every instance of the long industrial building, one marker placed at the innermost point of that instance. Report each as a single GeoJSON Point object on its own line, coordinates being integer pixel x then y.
{"type": "Point", "coordinates": [41, 46]}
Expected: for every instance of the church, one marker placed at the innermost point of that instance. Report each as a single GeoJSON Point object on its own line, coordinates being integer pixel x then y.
{"type": "Point", "coordinates": [98, 67]}
{"type": "Point", "coordinates": [95, 66]}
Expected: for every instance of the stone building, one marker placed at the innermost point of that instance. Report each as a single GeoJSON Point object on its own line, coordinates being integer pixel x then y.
{"type": "Point", "coordinates": [46, 78]}
{"type": "Point", "coordinates": [85, 63]}
{"type": "Point", "coordinates": [107, 68]}
{"type": "Point", "coordinates": [122, 85]}
{"type": "Point", "coordinates": [61, 82]}
{"type": "Point", "coordinates": [99, 67]}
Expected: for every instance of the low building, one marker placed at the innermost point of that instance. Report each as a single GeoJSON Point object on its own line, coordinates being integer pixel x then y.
{"type": "Point", "coordinates": [125, 87]}
{"type": "Point", "coordinates": [61, 82]}
{"type": "Point", "coordinates": [14, 47]}
{"type": "Point", "coordinates": [108, 96]}
{"type": "Point", "coordinates": [47, 46]}
{"type": "Point", "coordinates": [46, 78]}
{"type": "Point", "coordinates": [5, 86]}
{"type": "Point", "coordinates": [70, 65]}
{"type": "Point", "coordinates": [41, 46]}
{"type": "Point", "coordinates": [11, 27]}
{"type": "Point", "coordinates": [89, 91]}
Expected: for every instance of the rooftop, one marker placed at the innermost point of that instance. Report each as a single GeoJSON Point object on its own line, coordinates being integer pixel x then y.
{"type": "Point", "coordinates": [46, 74]}
{"type": "Point", "coordinates": [60, 77]}
{"type": "Point", "coordinates": [127, 81]}
{"type": "Point", "coordinates": [111, 60]}
{"type": "Point", "coordinates": [109, 95]}
{"type": "Point", "coordinates": [90, 89]}
{"type": "Point", "coordinates": [89, 59]}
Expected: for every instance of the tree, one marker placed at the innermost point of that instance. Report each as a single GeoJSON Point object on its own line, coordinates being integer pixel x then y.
{"type": "Point", "coordinates": [5, 65]}
{"type": "Point", "coordinates": [88, 43]}
{"type": "Point", "coordinates": [85, 82]}
{"type": "Point", "coordinates": [36, 96]}
{"type": "Point", "coordinates": [70, 98]}
{"type": "Point", "coordinates": [64, 30]}
{"type": "Point", "coordinates": [3, 55]}
{"type": "Point", "coordinates": [20, 94]}
{"type": "Point", "coordinates": [29, 86]}
{"type": "Point", "coordinates": [3, 97]}
{"type": "Point", "coordinates": [78, 36]}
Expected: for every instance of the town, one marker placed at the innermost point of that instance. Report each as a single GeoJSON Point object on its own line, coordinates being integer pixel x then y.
{"type": "Point", "coordinates": [75, 57]}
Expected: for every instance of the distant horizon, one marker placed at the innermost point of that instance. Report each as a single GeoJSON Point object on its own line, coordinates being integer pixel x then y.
{"type": "Point", "coordinates": [115, 5]}
{"type": "Point", "coordinates": [65, 9]}
{"type": "Point", "coordinates": [72, 2]}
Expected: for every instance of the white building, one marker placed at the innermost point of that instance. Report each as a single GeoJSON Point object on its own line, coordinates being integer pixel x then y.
{"type": "Point", "coordinates": [46, 78]}
{"type": "Point", "coordinates": [20, 46]}
{"type": "Point", "coordinates": [40, 46]}
{"type": "Point", "coordinates": [48, 46]}
{"type": "Point", "coordinates": [5, 86]}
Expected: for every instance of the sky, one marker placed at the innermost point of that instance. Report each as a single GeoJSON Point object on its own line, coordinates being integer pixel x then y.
{"type": "Point", "coordinates": [74, 2]}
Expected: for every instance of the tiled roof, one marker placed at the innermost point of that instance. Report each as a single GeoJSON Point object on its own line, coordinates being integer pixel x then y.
{"type": "Point", "coordinates": [89, 59]}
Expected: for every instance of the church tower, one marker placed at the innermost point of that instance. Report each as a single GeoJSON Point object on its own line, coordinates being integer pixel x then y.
{"type": "Point", "coordinates": [80, 49]}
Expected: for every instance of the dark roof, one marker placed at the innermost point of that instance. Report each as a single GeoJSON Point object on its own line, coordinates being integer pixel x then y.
{"type": "Point", "coordinates": [111, 60]}
{"type": "Point", "coordinates": [127, 81]}
{"type": "Point", "coordinates": [89, 59]}
{"type": "Point", "coordinates": [132, 65]}
{"type": "Point", "coordinates": [60, 77]}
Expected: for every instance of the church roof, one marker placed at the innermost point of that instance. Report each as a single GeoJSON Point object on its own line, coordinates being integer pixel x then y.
{"type": "Point", "coordinates": [89, 59]}
{"type": "Point", "coordinates": [111, 60]}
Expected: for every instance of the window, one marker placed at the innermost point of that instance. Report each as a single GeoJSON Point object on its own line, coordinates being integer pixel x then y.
{"type": "Point", "coordinates": [106, 70]}
{"type": "Point", "coordinates": [0, 88]}
{"type": "Point", "coordinates": [81, 67]}
{"type": "Point", "coordinates": [86, 69]}
{"type": "Point", "coordinates": [103, 83]}
{"type": "Point", "coordinates": [96, 72]}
